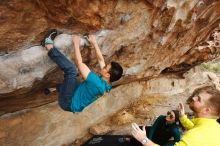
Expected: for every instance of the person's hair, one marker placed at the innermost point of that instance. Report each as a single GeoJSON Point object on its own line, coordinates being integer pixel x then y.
{"type": "Point", "coordinates": [115, 72]}
{"type": "Point", "coordinates": [213, 102]}
{"type": "Point", "coordinates": [218, 120]}
{"type": "Point", "coordinates": [177, 122]}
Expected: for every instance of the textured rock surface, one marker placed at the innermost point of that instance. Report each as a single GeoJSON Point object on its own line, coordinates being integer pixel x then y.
{"type": "Point", "coordinates": [49, 125]}
{"type": "Point", "coordinates": [155, 41]}
{"type": "Point", "coordinates": [146, 37]}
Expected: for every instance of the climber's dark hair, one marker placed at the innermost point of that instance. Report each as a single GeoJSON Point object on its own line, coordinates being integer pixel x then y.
{"type": "Point", "coordinates": [218, 120]}
{"type": "Point", "coordinates": [115, 71]}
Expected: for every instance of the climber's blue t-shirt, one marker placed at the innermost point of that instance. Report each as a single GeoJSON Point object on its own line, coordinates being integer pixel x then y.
{"type": "Point", "coordinates": [88, 91]}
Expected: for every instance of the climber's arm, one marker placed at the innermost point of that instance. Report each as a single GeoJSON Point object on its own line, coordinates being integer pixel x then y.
{"type": "Point", "coordinates": [99, 56]}
{"type": "Point", "coordinates": [83, 68]}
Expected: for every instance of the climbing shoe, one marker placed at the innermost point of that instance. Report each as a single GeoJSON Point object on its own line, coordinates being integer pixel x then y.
{"type": "Point", "coordinates": [47, 91]}
{"type": "Point", "coordinates": [49, 37]}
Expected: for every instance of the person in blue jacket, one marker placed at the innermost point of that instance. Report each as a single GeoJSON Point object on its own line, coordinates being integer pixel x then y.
{"type": "Point", "coordinates": [74, 96]}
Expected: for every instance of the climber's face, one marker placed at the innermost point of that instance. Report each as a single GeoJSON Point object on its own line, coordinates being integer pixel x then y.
{"type": "Point", "coordinates": [105, 71]}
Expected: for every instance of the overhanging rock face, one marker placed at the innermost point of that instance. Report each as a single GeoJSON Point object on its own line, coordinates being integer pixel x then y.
{"type": "Point", "coordinates": [21, 68]}
{"type": "Point", "coordinates": [148, 37]}
{"type": "Point", "coordinates": [145, 36]}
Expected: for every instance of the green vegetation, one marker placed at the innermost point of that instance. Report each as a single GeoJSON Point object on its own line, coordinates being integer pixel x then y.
{"type": "Point", "coordinates": [210, 66]}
